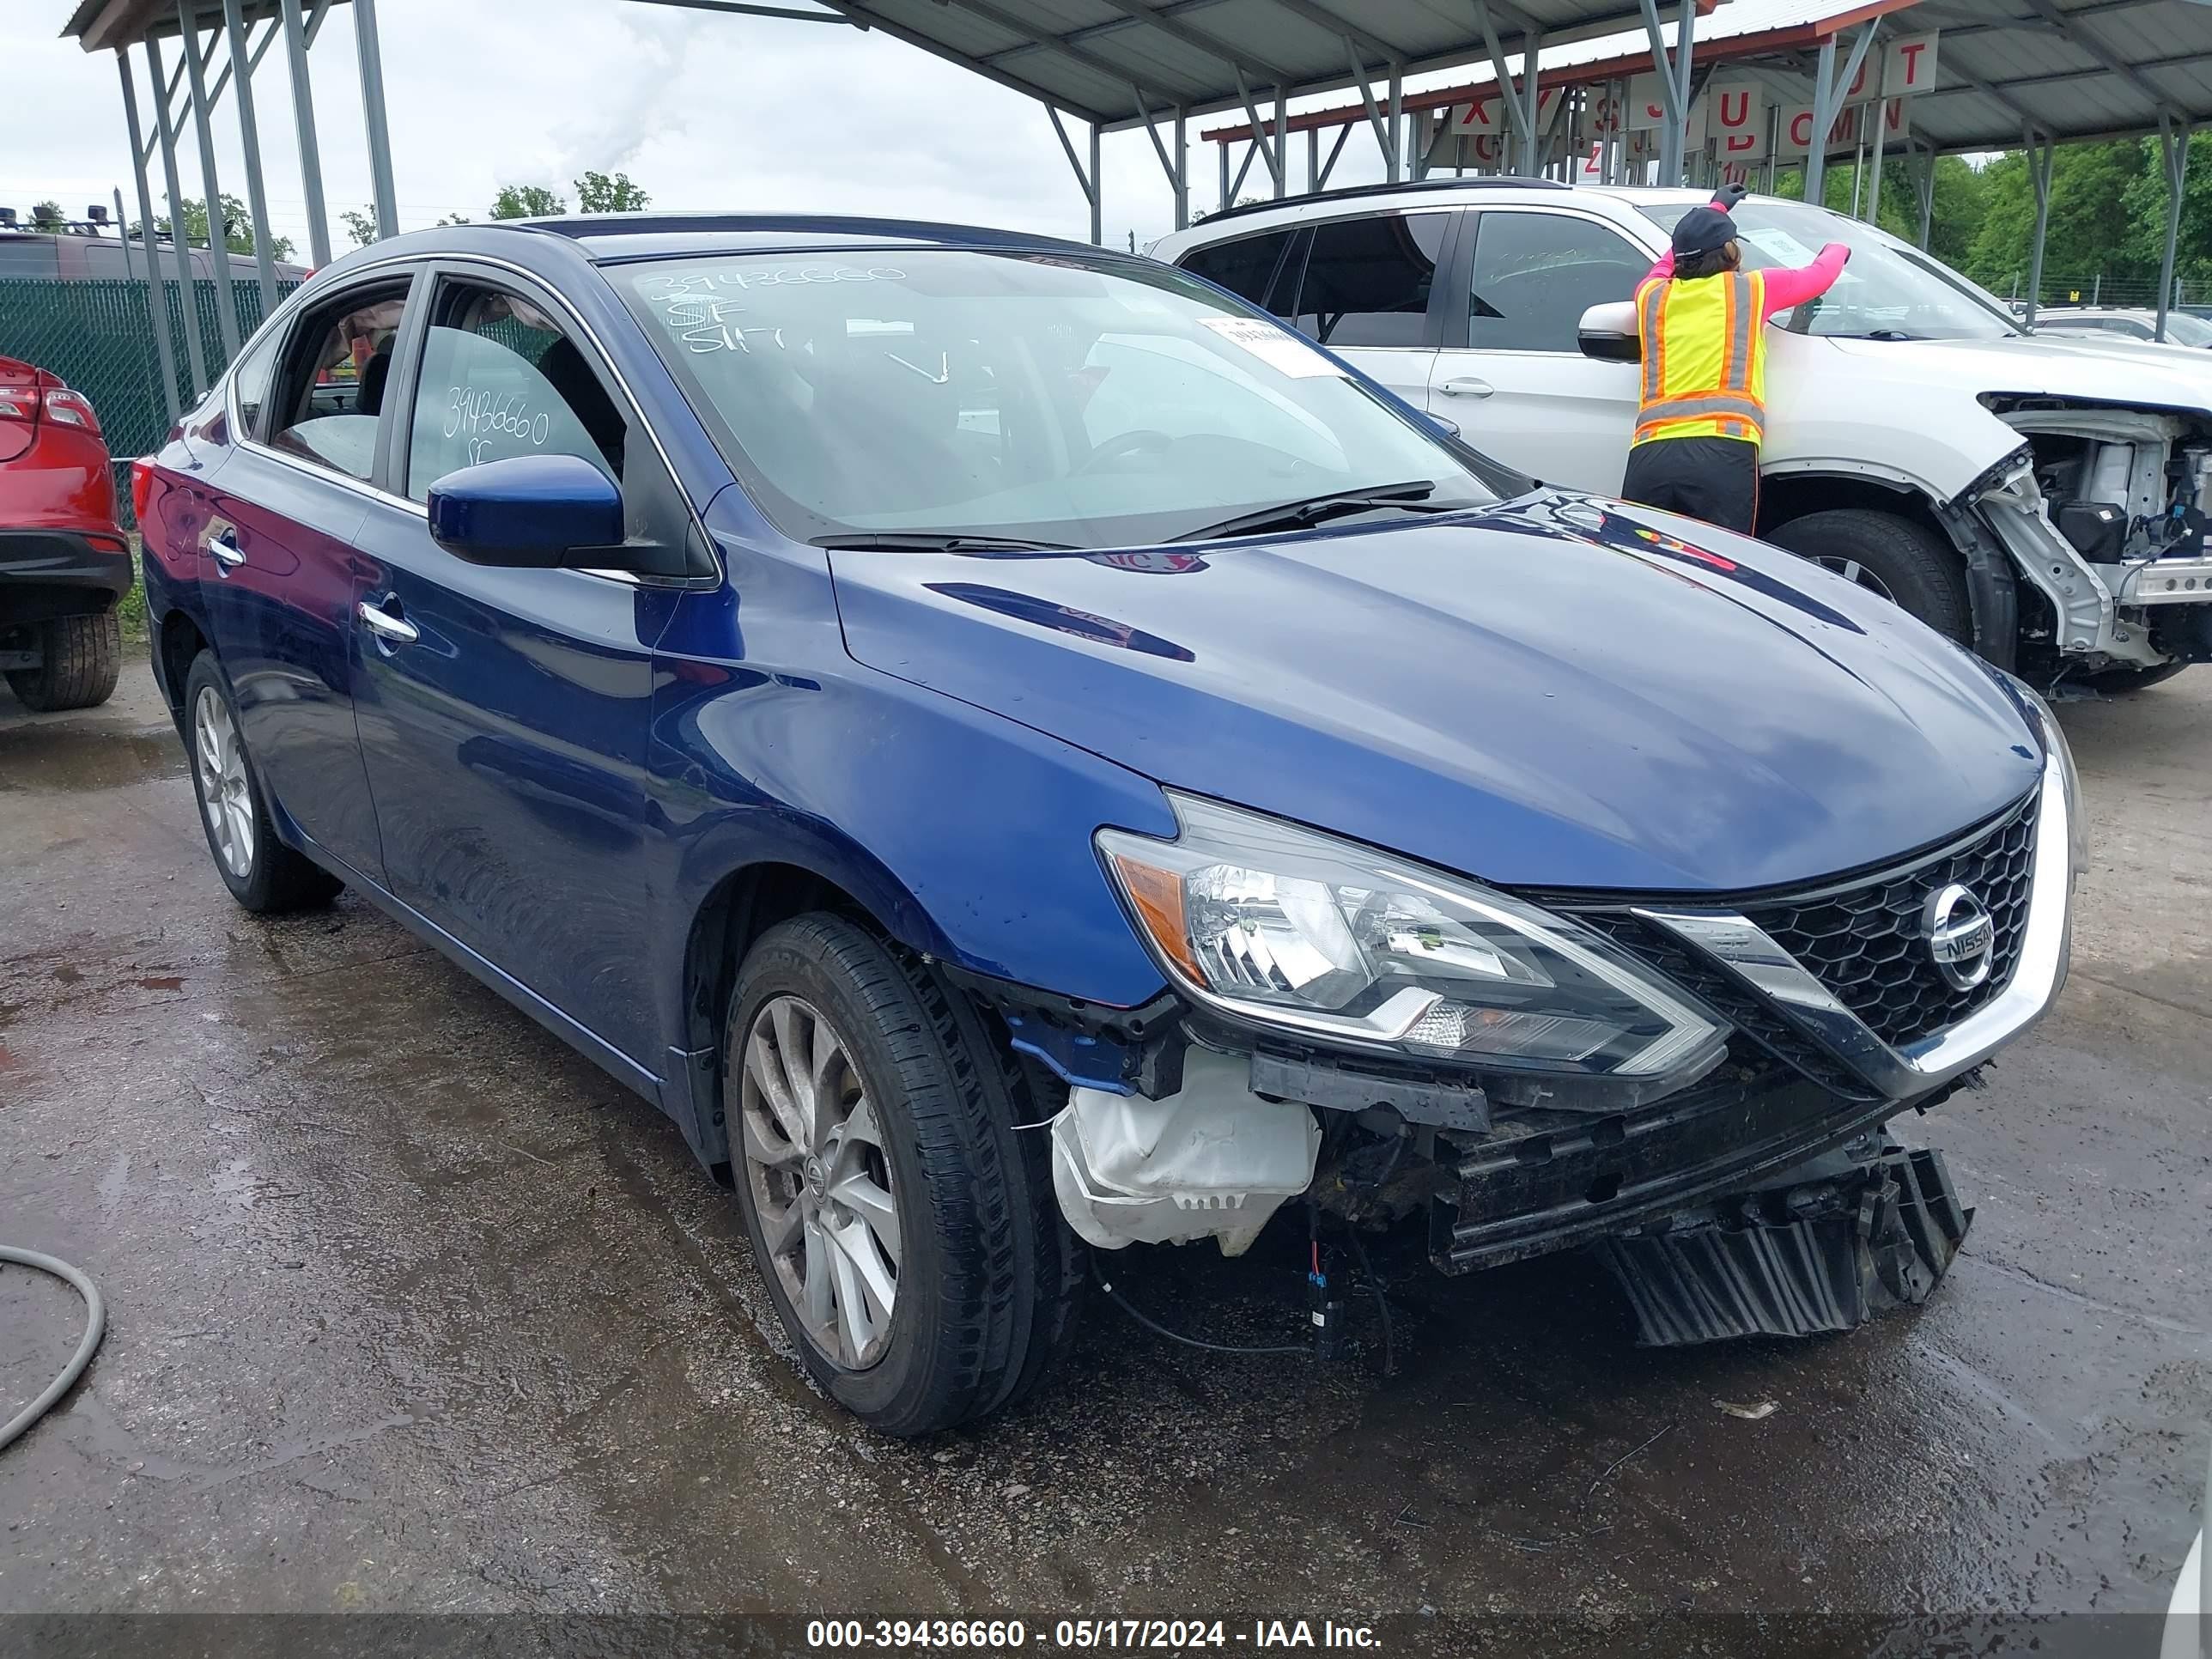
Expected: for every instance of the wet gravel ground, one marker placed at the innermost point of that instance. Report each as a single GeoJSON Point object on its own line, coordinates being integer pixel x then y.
{"type": "Point", "coordinates": [414, 1312]}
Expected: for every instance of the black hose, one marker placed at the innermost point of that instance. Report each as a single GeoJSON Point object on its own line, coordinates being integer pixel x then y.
{"type": "Point", "coordinates": [1158, 1329]}
{"type": "Point", "coordinates": [95, 1327]}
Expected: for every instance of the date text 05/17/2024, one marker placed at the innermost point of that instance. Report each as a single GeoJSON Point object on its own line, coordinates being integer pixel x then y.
{"type": "Point", "coordinates": [1007, 1635]}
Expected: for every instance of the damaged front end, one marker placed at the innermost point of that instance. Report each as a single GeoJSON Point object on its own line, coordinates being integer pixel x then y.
{"type": "Point", "coordinates": [1702, 1092]}
{"type": "Point", "coordinates": [2105, 515]}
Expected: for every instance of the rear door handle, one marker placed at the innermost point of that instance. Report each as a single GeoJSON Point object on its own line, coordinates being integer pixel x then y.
{"type": "Point", "coordinates": [226, 552]}
{"type": "Point", "coordinates": [1467, 386]}
{"type": "Point", "coordinates": [386, 626]}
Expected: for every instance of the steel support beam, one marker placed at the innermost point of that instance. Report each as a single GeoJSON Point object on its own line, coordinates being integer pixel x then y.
{"type": "Point", "coordinates": [157, 299]}
{"type": "Point", "coordinates": [1282, 143]}
{"type": "Point", "coordinates": [1087, 182]}
{"type": "Point", "coordinates": [2174, 149]}
{"type": "Point", "coordinates": [303, 122]}
{"type": "Point", "coordinates": [1516, 112]}
{"type": "Point", "coordinates": [371, 110]}
{"type": "Point", "coordinates": [1828, 87]}
{"type": "Point", "coordinates": [1336, 150]}
{"type": "Point", "coordinates": [1176, 169]}
{"type": "Point", "coordinates": [2038, 171]}
{"type": "Point", "coordinates": [1669, 144]}
{"type": "Point", "coordinates": [1923, 186]}
{"type": "Point", "coordinates": [1880, 141]}
{"type": "Point", "coordinates": [180, 246]}
{"type": "Point", "coordinates": [1097, 193]}
{"type": "Point", "coordinates": [249, 132]}
{"type": "Point", "coordinates": [226, 296]}
{"type": "Point", "coordinates": [1679, 126]}
{"type": "Point", "coordinates": [1258, 135]}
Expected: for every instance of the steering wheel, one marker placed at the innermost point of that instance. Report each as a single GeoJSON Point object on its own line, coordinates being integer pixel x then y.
{"type": "Point", "coordinates": [1125, 443]}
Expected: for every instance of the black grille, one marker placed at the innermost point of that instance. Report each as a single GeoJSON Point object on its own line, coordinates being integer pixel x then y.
{"type": "Point", "coordinates": [1860, 937]}
{"type": "Point", "coordinates": [1865, 943]}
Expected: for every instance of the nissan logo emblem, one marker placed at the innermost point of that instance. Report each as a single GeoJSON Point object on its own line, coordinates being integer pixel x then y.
{"type": "Point", "coordinates": [1961, 936]}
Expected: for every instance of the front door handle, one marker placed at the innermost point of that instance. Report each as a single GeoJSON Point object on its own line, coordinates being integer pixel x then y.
{"type": "Point", "coordinates": [1467, 386]}
{"type": "Point", "coordinates": [226, 552]}
{"type": "Point", "coordinates": [386, 626]}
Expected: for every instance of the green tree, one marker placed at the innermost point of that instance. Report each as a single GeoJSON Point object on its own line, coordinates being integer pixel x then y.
{"type": "Point", "coordinates": [361, 225]}
{"type": "Point", "coordinates": [528, 202]}
{"type": "Point", "coordinates": [2089, 220]}
{"type": "Point", "coordinates": [601, 192]}
{"type": "Point", "coordinates": [238, 234]}
{"type": "Point", "coordinates": [2147, 198]}
{"type": "Point", "coordinates": [456, 219]}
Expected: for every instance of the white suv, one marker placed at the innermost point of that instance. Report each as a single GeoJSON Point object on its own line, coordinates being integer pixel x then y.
{"type": "Point", "coordinates": [2043, 499]}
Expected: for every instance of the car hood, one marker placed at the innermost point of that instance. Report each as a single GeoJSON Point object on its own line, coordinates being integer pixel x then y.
{"type": "Point", "coordinates": [1558, 692]}
{"type": "Point", "coordinates": [2137, 374]}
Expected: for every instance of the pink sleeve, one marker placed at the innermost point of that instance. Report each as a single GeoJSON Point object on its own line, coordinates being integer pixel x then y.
{"type": "Point", "coordinates": [1786, 287]}
{"type": "Point", "coordinates": [1663, 269]}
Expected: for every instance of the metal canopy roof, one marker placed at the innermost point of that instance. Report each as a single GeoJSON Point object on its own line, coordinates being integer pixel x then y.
{"type": "Point", "coordinates": [105, 25]}
{"type": "Point", "coordinates": [1097, 60]}
{"type": "Point", "coordinates": [2066, 68]}
{"type": "Point", "coordinates": [1760, 33]}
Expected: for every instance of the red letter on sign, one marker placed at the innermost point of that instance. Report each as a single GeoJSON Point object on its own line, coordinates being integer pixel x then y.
{"type": "Point", "coordinates": [1909, 53]}
{"type": "Point", "coordinates": [1742, 112]}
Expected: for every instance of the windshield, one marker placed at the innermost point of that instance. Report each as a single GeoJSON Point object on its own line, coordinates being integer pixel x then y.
{"type": "Point", "coordinates": [1888, 291]}
{"type": "Point", "coordinates": [1030, 397]}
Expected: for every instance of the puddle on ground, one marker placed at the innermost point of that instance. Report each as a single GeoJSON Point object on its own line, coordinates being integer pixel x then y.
{"type": "Point", "coordinates": [71, 757]}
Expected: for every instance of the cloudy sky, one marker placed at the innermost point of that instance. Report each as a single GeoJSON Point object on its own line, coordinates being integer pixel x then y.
{"type": "Point", "coordinates": [703, 111]}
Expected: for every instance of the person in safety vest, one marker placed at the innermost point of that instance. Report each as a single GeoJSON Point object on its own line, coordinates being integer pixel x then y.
{"type": "Point", "coordinates": [1699, 317]}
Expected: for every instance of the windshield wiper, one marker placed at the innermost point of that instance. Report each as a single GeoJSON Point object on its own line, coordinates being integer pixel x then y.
{"type": "Point", "coordinates": [1884, 334]}
{"type": "Point", "coordinates": [903, 541]}
{"type": "Point", "coordinates": [1300, 516]}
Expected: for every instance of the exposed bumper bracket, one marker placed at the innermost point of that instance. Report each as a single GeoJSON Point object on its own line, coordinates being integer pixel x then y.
{"type": "Point", "coordinates": [1823, 1255]}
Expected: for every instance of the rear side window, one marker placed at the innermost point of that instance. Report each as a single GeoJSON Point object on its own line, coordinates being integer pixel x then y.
{"type": "Point", "coordinates": [250, 380]}
{"type": "Point", "coordinates": [1245, 267]}
{"type": "Point", "coordinates": [501, 378]}
{"type": "Point", "coordinates": [1536, 273]}
{"type": "Point", "coordinates": [332, 390]}
{"type": "Point", "coordinates": [1367, 281]}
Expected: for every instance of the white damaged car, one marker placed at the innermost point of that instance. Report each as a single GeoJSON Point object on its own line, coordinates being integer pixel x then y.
{"type": "Point", "coordinates": [2046, 498]}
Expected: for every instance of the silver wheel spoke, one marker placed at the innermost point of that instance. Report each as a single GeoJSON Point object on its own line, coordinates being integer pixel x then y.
{"type": "Point", "coordinates": [782, 1228]}
{"type": "Point", "coordinates": [799, 1079]}
{"type": "Point", "coordinates": [872, 1205]}
{"type": "Point", "coordinates": [854, 1326]}
{"type": "Point", "coordinates": [815, 1299]}
{"type": "Point", "coordinates": [775, 1155]}
{"type": "Point", "coordinates": [775, 1089]}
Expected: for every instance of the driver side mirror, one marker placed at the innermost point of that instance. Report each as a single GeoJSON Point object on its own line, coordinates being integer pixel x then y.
{"type": "Point", "coordinates": [529, 511]}
{"type": "Point", "coordinates": [1607, 332]}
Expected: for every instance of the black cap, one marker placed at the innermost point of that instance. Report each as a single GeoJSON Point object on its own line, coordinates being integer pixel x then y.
{"type": "Point", "coordinates": [1702, 230]}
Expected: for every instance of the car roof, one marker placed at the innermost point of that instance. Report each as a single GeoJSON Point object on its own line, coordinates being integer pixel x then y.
{"type": "Point", "coordinates": [1254, 216]}
{"type": "Point", "coordinates": [607, 237]}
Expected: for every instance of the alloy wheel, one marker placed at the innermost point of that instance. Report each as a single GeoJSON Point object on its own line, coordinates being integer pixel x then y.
{"type": "Point", "coordinates": [225, 797]}
{"type": "Point", "coordinates": [1852, 571]}
{"type": "Point", "coordinates": [820, 1181]}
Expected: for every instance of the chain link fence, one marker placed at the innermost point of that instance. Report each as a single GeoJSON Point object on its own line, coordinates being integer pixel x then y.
{"type": "Point", "coordinates": [2097, 288]}
{"type": "Point", "coordinates": [99, 337]}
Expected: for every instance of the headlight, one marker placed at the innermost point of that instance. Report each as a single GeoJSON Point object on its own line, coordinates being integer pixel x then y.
{"type": "Point", "coordinates": [1283, 926]}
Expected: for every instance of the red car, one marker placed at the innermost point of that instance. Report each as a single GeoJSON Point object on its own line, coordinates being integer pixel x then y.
{"type": "Point", "coordinates": [64, 563]}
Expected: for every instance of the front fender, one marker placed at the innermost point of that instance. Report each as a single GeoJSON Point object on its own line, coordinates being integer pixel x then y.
{"type": "Point", "coordinates": [966, 835]}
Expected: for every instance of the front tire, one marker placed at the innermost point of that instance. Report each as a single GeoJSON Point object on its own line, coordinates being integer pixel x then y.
{"type": "Point", "coordinates": [1903, 562]}
{"type": "Point", "coordinates": [263, 874]}
{"type": "Point", "coordinates": [907, 1233]}
{"type": "Point", "coordinates": [80, 660]}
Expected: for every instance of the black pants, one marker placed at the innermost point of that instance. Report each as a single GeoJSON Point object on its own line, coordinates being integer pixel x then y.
{"type": "Point", "coordinates": [1715, 479]}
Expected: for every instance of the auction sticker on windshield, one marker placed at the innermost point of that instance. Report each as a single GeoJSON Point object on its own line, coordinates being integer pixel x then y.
{"type": "Point", "coordinates": [1778, 246]}
{"type": "Point", "coordinates": [1281, 351]}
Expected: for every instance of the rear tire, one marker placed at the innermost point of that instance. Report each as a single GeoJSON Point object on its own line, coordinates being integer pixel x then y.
{"type": "Point", "coordinates": [82, 657]}
{"type": "Point", "coordinates": [914, 1122]}
{"type": "Point", "coordinates": [263, 874]}
{"type": "Point", "coordinates": [1906, 562]}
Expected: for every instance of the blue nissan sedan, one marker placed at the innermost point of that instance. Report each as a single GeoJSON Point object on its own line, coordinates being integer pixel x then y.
{"type": "Point", "coordinates": [1020, 755]}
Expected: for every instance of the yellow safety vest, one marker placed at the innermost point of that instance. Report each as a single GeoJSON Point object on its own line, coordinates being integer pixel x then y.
{"type": "Point", "coordinates": [1705, 357]}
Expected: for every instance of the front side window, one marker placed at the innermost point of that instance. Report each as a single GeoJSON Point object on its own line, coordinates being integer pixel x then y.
{"type": "Point", "coordinates": [1536, 273]}
{"type": "Point", "coordinates": [1888, 291]}
{"type": "Point", "coordinates": [499, 377]}
{"type": "Point", "coordinates": [1052, 398]}
{"type": "Point", "coordinates": [1246, 267]}
{"type": "Point", "coordinates": [332, 392]}
{"type": "Point", "coordinates": [1367, 281]}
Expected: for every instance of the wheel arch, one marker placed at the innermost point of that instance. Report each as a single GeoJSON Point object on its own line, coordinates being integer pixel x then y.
{"type": "Point", "coordinates": [1991, 592]}
{"type": "Point", "coordinates": [177, 642]}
